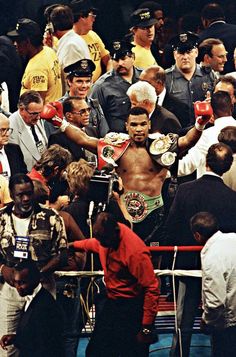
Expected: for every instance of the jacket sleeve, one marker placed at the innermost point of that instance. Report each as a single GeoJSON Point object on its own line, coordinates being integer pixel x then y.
{"type": "Point", "coordinates": [213, 291]}
{"type": "Point", "coordinates": [87, 245]}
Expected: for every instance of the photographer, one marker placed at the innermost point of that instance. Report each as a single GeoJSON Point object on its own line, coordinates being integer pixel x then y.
{"type": "Point", "coordinates": [79, 175]}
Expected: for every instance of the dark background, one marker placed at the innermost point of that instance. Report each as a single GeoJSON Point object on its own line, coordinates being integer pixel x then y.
{"type": "Point", "coordinates": [113, 19]}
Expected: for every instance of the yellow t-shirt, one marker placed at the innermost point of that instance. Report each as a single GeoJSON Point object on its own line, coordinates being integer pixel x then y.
{"type": "Point", "coordinates": [43, 73]}
{"type": "Point", "coordinates": [97, 51]}
{"type": "Point", "coordinates": [143, 57]}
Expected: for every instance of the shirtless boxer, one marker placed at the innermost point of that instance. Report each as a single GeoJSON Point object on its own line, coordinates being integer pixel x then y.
{"type": "Point", "coordinates": [141, 163]}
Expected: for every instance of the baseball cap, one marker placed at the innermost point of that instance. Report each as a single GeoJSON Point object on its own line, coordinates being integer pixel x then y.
{"type": "Point", "coordinates": [120, 48]}
{"type": "Point", "coordinates": [82, 6]}
{"type": "Point", "coordinates": [142, 18]}
{"type": "Point", "coordinates": [184, 42]}
{"type": "Point", "coordinates": [25, 28]}
{"type": "Point", "coordinates": [81, 68]}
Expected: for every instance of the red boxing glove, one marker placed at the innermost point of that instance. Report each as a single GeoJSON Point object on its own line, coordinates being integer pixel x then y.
{"type": "Point", "coordinates": [50, 113]}
{"type": "Point", "coordinates": [59, 108]}
{"type": "Point", "coordinates": [203, 113]}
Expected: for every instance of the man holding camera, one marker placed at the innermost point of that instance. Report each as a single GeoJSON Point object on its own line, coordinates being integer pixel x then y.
{"type": "Point", "coordinates": [142, 163]}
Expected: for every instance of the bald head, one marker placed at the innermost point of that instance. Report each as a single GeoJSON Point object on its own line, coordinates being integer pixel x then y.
{"type": "Point", "coordinates": [154, 75]}
{"type": "Point", "coordinates": [5, 131]}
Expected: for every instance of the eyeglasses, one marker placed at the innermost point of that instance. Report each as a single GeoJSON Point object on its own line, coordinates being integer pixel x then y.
{"type": "Point", "coordinates": [5, 131]}
{"type": "Point", "coordinates": [92, 14]}
{"type": "Point", "coordinates": [32, 114]}
{"type": "Point", "coordinates": [83, 111]}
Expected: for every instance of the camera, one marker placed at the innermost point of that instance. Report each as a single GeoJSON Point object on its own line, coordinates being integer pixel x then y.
{"type": "Point", "coordinates": [101, 185]}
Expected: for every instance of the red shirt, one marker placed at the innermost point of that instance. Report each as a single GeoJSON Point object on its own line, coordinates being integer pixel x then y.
{"type": "Point", "coordinates": [128, 271]}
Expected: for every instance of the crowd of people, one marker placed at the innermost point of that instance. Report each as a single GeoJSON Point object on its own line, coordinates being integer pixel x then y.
{"type": "Point", "coordinates": [106, 150]}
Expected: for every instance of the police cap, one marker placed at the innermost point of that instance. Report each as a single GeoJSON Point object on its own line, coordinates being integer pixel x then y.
{"type": "Point", "coordinates": [81, 68]}
{"type": "Point", "coordinates": [120, 48]}
{"type": "Point", "coordinates": [142, 18]}
{"type": "Point", "coordinates": [184, 42]}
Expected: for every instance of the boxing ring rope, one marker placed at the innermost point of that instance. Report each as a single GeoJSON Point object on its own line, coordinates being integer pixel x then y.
{"type": "Point", "coordinates": [159, 272]}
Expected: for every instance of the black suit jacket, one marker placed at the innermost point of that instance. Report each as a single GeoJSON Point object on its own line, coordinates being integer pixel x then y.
{"type": "Point", "coordinates": [61, 139]}
{"type": "Point", "coordinates": [209, 194]}
{"type": "Point", "coordinates": [15, 159]}
{"type": "Point", "coordinates": [178, 108]}
{"type": "Point", "coordinates": [40, 329]}
{"type": "Point", "coordinates": [227, 34]}
{"type": "Point", "coordinates": [164, 122]}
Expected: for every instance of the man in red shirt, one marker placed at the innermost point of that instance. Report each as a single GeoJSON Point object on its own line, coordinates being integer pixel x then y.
{"type": "Point", "coordinates": [125, 325]}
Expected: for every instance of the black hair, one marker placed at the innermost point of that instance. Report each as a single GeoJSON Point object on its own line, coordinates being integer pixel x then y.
{"type": "Point", "coordinates": [68, 105]}
{"type": "Point", "coordinates": [221, 103]}
{"type": "Point", "coordinates": [228, 80]}
{"type": "Point", "coordinates": [62, 18]}
{"type": "Point", "coordinates": [219, 158]}
{"type": "Point", "coordinates": [228, 137]}
{"type": "Point", "coordinates": [18, 179]}
{"type": "Point", "coordinates": [204, 223]}
{"type": "Point", "coordinates": [30, 265]}
{"type": "Point", "coordinates": [212, 12]}
{"type": "Point", "coordinates": [138, 111]}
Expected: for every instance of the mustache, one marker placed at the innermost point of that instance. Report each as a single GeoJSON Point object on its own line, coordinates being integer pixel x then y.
{"type": "Point", "coordinates": [120, 67]}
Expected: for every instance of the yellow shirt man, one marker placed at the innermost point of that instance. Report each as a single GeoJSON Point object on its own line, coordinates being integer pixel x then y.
{"type": "Point", "coordinates": [143, 57]}
{"type": "Point", "coordinates": [43, 74]}
{"type": "Point", "coordinates": [97, 51]}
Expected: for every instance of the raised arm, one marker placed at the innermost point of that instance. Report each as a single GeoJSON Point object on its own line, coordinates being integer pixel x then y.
{"type": "Point", "coordinates": [203, 113]}
{"type": "Point", "coordinates": [53, 113]}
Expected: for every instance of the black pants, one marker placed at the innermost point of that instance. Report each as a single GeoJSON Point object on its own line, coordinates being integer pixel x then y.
{"type": "Point", "coordinates": [152, 228]}
{"type": "Point", "coordinates": [116, 329]}
{"type": "Point", "coordinates": [224, 342]}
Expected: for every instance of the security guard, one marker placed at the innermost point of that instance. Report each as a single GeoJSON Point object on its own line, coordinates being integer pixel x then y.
{"type": "Point", "coordinates": [187, 80]}
{"type": "Point", "coordinates": [79, 79]}
{"type": "Point", "coordinates": [110, 89]}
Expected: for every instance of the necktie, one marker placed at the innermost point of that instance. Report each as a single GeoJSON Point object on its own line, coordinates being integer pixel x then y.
{"type": "Point", "coordinates": [36, 139]}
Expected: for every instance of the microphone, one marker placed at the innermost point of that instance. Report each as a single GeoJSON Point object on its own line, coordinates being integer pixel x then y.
{"type": "Point", "coordinates": [91, 208]}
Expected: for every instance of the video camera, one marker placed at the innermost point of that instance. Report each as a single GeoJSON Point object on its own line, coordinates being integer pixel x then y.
{"type": "Point", "coordinates": [102, 184]}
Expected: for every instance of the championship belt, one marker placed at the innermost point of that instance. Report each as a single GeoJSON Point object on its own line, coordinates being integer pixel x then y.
{"type": "Point", "coordinates": [111, 148]}
{"type": "Point", "coordinates": [164, 149]}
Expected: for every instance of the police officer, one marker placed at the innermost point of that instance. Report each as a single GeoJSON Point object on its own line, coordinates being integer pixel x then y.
{"type": "Point", "coordinates": [110, 89]}
{"type": "Point", "coordinates": [79, 79]}
{"type": "Point", "coordinates": [186, 80]}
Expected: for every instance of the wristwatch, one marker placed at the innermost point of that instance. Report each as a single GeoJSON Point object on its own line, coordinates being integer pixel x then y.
{"type": "Point", "coordinates": [146, 331]}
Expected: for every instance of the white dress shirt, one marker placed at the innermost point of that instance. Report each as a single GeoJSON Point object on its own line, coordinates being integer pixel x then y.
{"type": "Point", "coordinates": [196, 157]}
